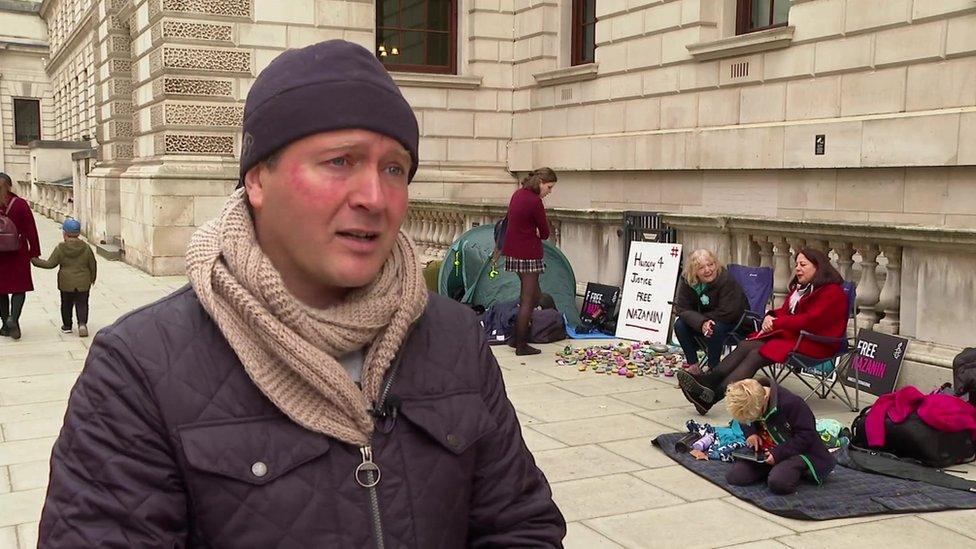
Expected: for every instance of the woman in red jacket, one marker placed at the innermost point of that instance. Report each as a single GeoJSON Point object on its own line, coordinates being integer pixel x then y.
{"type": "Point", "coordinates": [15, 267]}
{"type": "Point", "coordinates": [527, 228]}
{"type": "Point", "coordinates": [816, 304]}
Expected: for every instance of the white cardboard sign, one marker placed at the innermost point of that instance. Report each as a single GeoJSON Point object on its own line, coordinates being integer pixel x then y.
{"type": "Point", "coordinates": [649, 282]}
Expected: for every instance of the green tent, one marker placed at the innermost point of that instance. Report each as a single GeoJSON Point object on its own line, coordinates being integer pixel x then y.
{"type": "Point", "coordinates": [467, 274]}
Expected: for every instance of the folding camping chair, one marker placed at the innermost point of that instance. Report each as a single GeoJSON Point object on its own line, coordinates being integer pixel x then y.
{"type": "Point", "coordinates": [757, 283]}
{"type": "Point", "coordinates": [825, 373]}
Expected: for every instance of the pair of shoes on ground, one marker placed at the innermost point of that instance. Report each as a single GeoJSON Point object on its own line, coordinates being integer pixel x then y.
{"type": "Point", "coordinates": [9, 329]}
{"type": "Point", "coordinates": [82, 330]}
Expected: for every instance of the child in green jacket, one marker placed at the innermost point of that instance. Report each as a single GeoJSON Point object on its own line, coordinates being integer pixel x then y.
{"type": "Point", "coordinates": [76, 275]}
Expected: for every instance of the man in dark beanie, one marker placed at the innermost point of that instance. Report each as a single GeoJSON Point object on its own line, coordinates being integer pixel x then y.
{"type": "Point", "coordinates": [304, 390]}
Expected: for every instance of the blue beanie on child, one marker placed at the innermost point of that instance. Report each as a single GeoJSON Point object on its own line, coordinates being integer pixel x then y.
{"type": "Point", "coordinates": [71, 226]}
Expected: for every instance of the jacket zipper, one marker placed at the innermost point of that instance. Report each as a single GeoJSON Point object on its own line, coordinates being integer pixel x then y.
{"type": "Point", "coordinates": [370, 470]}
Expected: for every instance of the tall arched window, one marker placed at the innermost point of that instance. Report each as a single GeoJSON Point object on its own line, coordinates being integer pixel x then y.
{"type": "Point", "coordinates": [417, 35]}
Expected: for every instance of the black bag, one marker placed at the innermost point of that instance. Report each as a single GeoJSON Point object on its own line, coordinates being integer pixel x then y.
{"type": "Point", "coordinates": [964, 373]}
{"type": "Point", "coordinates": [915, 439]}
{"type": "Point", "coordinates": [548, 326]}
{"type": "Point", "coordinates": [501, 227]}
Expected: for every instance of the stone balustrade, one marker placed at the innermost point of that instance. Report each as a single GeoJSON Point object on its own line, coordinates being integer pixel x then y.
{"type": "Point", "coordinates": [913, 281]}
{"type": "Point", "coordinates": [53, 199]}
{"type": "Point", "coordinates": [901, 272]}
{"type": "Point", "coordinates": [591, 239]}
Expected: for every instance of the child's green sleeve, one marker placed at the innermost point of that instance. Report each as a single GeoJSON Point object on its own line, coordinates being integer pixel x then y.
{"type": "Point", "coordinates": [52, 262]}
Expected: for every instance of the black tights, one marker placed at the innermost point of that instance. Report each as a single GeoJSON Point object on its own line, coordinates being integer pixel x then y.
{"type": "Point", "coordinates": [11, 305]}
{"type": "Point", "coordinates": [742, 363]}
{"type": "Point", "coordinates": [528, 299]}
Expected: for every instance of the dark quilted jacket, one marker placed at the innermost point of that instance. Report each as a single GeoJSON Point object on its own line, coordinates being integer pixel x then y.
{"type": "Point", "coordinates": [164, 429]}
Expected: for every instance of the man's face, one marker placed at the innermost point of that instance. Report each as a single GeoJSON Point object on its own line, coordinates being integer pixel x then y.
{"type": "Point", "coordinates": [329, 210]}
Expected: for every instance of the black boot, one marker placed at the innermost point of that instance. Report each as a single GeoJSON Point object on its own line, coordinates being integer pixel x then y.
{"type": "Point", "coordinates": [694, 388]}
{"type": "Point", "coordinates": [16, 307]}
{"type": "Point", "coordinates": [4, 314]}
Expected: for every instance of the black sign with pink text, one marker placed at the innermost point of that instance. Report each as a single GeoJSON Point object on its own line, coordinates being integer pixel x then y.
{"type": "Point", "coordinates": [877, 358]}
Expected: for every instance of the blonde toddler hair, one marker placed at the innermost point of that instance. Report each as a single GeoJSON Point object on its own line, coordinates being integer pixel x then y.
{"type": "Point", "coordinates": [745, 400]}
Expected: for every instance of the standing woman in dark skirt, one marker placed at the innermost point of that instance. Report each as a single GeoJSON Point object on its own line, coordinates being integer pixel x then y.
{"type": "Point", "coordinates": [15, 267]}
{"type": "Point", "coordinates": [527, 228]}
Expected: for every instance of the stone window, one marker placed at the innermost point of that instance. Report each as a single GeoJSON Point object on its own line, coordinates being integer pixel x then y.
{"type": "Point", "coordinates": [757, 15]}
{"type": "Point", "coordinates": [27, 120]}
{"type": "Point", "coordinates": [584, 31]}
{"type": "Point", "coordinates": [417, 35]}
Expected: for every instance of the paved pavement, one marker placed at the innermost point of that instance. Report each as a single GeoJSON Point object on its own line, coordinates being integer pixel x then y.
{"type": "Point", "coordinates": [590, 434]}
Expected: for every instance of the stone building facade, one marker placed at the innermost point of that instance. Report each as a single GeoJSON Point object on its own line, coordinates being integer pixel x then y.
{"type": "Point", "coordinates": [25, 89]}
{"type": "Point", "coordinates": [849, 125]}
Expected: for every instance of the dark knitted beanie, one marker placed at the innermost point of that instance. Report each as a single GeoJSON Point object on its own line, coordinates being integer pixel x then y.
{"type": "Point", "coordinates": [328, 86]}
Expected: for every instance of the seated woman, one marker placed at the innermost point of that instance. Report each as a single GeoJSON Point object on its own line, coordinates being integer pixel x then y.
{"type": "Point", "coordinates": [816, 303]}
{"type": "Point", "coordinates": [709, 303]}
{"type": "Point", "coordinates": [779, 425]}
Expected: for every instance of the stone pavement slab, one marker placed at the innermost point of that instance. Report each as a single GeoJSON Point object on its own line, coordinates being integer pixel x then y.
{"type": "Point", "coordinates": [600, 429]}
{"type": "Point", "coordinates": [608, 495]}
{"type": "Point", "coordinates": [897, 533]}
{"type": "Point", "coordinates": [692, 525]}
{"type": "Point", "coordinates": [681, 482]}
{"type": "Point", "coordinates": [581, 537]}
{"type": "Point", "coordinates": [637, 449]}
{"type": "Point", "coordinates": [589, 433]}
{"type": "Point", "coordinates": [582, 462]}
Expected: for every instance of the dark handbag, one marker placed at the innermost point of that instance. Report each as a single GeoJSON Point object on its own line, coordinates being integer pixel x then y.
{"type": "Point", "coordinates": [548, 326]}
{"type": "Point", "coordinates": [9, 235]}
{"type": "Point", "coordinates": [915, 439]}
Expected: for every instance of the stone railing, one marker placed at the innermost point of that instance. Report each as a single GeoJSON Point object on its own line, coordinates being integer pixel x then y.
{"type": "Point", "coordinates": [53, 199]}
{"type": "Point", "coordinates": [591, 239]}
{"type": "Point", "coordinates": [23, 189]}
{"type": "Point", "coordinates": [914, 281]}
{"type": "Point", "coordinates": [917, 282]}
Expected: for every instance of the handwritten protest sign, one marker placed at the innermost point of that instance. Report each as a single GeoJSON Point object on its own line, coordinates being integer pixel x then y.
{"type": "Point", "coordinates": [649, 281]}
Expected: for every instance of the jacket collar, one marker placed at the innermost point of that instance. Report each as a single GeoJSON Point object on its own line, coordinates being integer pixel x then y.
{"type": "Point", "coordinates": [773, 405]}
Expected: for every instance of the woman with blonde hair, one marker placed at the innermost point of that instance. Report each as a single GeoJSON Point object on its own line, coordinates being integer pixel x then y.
{"type": "Point", "coordinates": [708, 303]}
{"type": "Point", "coordinates": [527, 228]}
{"type": "Point", "coordinates": [816, 304]}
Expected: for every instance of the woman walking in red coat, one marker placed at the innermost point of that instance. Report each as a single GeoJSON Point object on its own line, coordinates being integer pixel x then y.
{"type": "Point", "coordinates": [527, 228]}
{"type": "Point", "coordinates": [816, 304]}
{"type": "Point", "coordinates": [15, 267]}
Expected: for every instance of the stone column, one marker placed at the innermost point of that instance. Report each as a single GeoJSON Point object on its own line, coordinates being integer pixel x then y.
{"type": "Point", "coordinates": [845, 258]}
{"type": "Point", "coordinates": [867, 288]}
{"type": "Point", "coordinates": [890, 299]}
{"type": "Point", "coordinates": [819, 245]}
{"type": "Point", "coordinates": [765, 253]}
{"type": "Point", "coordinates": [781, 269]}
{"type": "Point", "coordinates": [752, 253]}
{"type": "Point", "coordinates": [189, 76]}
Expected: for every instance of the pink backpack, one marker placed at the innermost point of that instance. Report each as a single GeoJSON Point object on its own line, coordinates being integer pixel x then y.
{"type": "Point", "coordinates": [9, 236]}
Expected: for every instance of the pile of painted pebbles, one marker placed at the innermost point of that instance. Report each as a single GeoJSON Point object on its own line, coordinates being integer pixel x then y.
{"type": "Point", "coordinates": [624, 359]}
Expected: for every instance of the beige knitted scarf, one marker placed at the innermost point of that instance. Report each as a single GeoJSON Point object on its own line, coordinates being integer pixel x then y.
{"type": "Point", "coordinates": [288, 349]}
